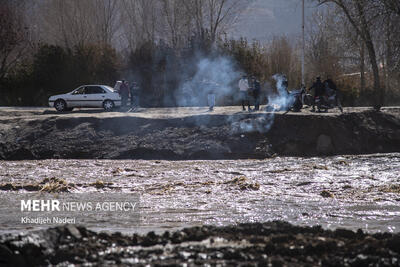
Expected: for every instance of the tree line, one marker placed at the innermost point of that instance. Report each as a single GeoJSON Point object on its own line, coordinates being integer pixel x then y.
{"type": "Point", "coordinates": [52, 46]}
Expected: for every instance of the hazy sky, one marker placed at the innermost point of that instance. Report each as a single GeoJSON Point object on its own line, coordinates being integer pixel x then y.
{"type": "Point", "coordinates": [265, 18]}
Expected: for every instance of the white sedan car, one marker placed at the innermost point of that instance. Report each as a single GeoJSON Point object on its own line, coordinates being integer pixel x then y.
{"type": "Point", "coordinates": [87, 96]}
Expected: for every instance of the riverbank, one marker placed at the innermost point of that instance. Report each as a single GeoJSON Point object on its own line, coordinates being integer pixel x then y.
{"type": "Point", "coordinates": [257, 244]}
{"type": "Point", "coordinates": [194, 133]}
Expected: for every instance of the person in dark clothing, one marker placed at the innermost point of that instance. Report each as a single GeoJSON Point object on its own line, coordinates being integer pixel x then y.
{"type": "Point", "coordinates": [285, 83]}
{"type": "Point", "coordinates": [256, 93]}
{"type": "Point", "coordinates": [330, 87]}
{"type": "Point", "coordinates": [330, 84]}
{"type": "Point", "coordinates": [319, 90]}
{"type": "Point", "coordinates": [124, 93]}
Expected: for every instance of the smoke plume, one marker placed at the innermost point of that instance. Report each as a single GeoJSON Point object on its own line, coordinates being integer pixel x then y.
{"type": "Point", "coordinates": [218, 75]}
{"type": "Point", "coordinates": [281, 101]}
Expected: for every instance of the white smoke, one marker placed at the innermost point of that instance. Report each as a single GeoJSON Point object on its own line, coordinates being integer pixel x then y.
{"type": "Point", "coordinates": [218, 75]}
{"type": "Point", "coordinates": [281, 101]}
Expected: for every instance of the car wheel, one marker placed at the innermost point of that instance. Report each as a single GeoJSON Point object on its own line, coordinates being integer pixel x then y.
{"type": "Point", "coordinates": [108, 105]}
{"type": "Point", "coordinates": [60, 105]}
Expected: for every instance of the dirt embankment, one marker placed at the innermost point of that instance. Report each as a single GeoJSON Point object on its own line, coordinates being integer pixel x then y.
{"type": "Point", "coordinates": [272, 243]}
{"type": "Point", "coordinates": [204, 136]}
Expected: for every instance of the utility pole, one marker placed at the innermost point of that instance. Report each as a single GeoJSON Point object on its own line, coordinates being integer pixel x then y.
{"type": "Point", "coordinates": [303, 48]}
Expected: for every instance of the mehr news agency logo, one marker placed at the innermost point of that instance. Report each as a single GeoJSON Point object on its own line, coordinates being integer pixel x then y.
{"type": "Point", "coordinates": [35, 206]}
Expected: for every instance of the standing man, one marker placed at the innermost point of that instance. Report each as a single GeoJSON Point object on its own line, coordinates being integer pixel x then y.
{"type": "Point", "coordinates": [319, 91]}
{"type": "Point", "coordinates": [329, 83]}
{"type": "Point", "coordinates": [244, 91]}
{"type": "Point", "coordinates": [256, 93]}
{"type": "Point", "coordinates": [210, 87]}
{"type": "Point", "coordinates": [331, 86]}
{"type": "Point", "coordinates": [124, 92]}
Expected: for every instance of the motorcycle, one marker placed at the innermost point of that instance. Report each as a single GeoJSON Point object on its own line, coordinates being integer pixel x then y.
{"type": "Point", "coordinates": [306, 98]}
{"type": "Point", "coordinates": [296, 102]}
{"type": "Point", "coordinates": [299, 98]}
{"type": "Point", "coordinates": [328, 101]}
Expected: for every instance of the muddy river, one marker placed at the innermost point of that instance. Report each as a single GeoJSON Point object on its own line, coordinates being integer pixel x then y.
{"type": "Point", "coordinates": [354, 192]}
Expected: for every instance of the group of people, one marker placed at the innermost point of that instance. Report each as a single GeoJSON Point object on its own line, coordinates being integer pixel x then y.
{"type": "Point", "coordinates": [128, 91]}
{"type": "Point", "coordinates": [323, 89]}
{"type": "Point", "coordinates": [247, 88]}
{"type": "Point", "coordinates": [251, 87]}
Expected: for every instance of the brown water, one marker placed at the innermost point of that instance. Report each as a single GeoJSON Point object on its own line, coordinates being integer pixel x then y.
{"type": "Point", "coordinates": [359, 191]}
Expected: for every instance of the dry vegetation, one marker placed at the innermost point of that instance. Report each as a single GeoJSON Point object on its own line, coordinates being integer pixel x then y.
{"type": "Point", "coordinates": [52, 46]}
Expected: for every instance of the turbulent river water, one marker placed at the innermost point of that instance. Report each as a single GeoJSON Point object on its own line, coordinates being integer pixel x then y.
{"type": "Point", "coordinates": [361, 191]}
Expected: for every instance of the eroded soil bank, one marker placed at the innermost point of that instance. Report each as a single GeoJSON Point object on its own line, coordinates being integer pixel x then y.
{"type": "Point", "coordinates": [267, 244]}
{"type": "Point", "coordinates": [185, 135]}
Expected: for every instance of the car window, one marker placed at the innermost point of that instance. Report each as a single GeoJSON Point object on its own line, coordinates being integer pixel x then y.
{"type": "Point", "coordinates": [109, 88]}
{"type": "Point", "coordinates": [79, 91]}
{"type": "Point", "coordinates": [94, 90]}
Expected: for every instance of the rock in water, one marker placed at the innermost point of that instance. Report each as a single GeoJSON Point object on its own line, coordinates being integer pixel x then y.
{"type": "Point", "coordinates": [73, 231]}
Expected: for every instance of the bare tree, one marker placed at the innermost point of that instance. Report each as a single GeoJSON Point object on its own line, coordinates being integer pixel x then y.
{"type": "Point", "coordinates": [76, 23]}
{"type": "Point", "coordinates": [392, 5]}
{"type": "Point", "coordinates": [360, 13]}
{"type": "Point", "coordinates": [195, 8]}
{"type": "Point", "coordinates": [218, 11]}
{"type": "Point", "coordinates": [130, 22]}
{"type": "Point", "coordinates": [107, 19]}
{"type": "Point", "coordinates": [140, 19]}
{"type": "Point", "coordinates": [68, 22]}
{"type": "Point", "coordinates": [353, 49]}
{"type": "Point", "coordinates": [324, 49]}
{"type": "Point", "coordinates": [389, 29]}
{"type": "Point", "coordinates": [13, 36]}
{"type": "Point", "coordinates": [214, 16]}
{"type": "Point", "coordinates": [280, 55]}
{"type": "Point", "coordinates": [178, 21]}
